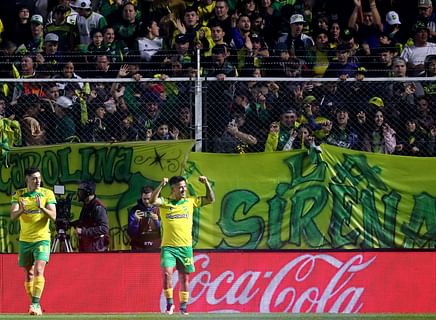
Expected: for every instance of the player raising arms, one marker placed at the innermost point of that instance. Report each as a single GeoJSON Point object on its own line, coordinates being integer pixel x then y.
{"type": "Point", "coordinates": [34, 206]}
{"type": "Point", "coordinates": [176, 225]}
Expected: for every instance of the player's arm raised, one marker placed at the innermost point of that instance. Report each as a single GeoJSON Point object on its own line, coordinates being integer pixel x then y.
{"type": "Point", "coordinates": [155, 200]}
{"type": "Point", "coordinates": [210, 195]}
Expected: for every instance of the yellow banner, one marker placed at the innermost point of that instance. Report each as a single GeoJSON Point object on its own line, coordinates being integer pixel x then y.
{"type": "Point", "coordinates": [119, 169]}
{"type": "Point", "coordinates": [337, 199]}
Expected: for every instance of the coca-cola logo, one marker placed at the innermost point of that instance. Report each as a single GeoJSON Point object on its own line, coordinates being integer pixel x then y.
{"type": "Point", "coordinates": [308, 283]}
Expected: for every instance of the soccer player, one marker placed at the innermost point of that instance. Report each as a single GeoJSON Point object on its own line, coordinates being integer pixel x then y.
{"type": "Point", "coordinates": [33, 206]}
{"type": "Point", "coordinates": [176, 224]}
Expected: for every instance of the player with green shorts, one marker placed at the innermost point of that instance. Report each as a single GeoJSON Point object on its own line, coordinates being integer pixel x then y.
{"type": "Point", "coordinates": [34, 207]}
{"type": "Point", "coordinates": [176, 225]}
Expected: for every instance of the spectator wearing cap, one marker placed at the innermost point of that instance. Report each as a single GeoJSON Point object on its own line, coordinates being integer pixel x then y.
{"type": "Point", "coordinates": [49, 60]}
{"type": "Point", "coordinates": [86, 21]}
{"type": "Point", "coordinates": [392, 26]}
{"type": "Point", "coordinates": [299, 44]}
{"type": "Point", "coordinates": [64, 129]}
{"type": "Point", "coordinates": [415, 54]}
{"type": "Point", "coordinates": [36, 43]}
{"type": "Point", "coordinates": [311, 114]}
{"type": "Point", "coordinates": [64, 29]}
{"type": "Point", "coordinates": [342, 68]}
{"type": "Point", "coordinates": [283, 132]}
{"type": "Point", "coordinates": [368, 30]}
{"type": "Point", "coordinates": [427, 16]}
{"type": "Point", "coordinates": [130, 25]}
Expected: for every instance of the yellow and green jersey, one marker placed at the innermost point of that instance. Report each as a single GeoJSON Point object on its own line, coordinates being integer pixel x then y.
{"type": "Point", "coordinates": [34, 222]}
{"type": "Point", "coordinates": [176, 221]}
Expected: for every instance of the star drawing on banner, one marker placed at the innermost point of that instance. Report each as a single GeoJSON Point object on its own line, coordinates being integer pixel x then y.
{"type": "Point", "coordinates": [158, 158]}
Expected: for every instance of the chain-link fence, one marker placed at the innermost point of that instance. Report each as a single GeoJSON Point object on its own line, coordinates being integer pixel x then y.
{"type": "Point", "coordinates": [236, 115]}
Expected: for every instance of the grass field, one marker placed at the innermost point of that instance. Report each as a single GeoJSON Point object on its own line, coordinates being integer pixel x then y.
{"type": "Point", "coordinates": [233, 316]}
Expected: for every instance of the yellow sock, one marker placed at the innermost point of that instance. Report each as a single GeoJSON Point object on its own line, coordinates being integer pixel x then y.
{"type": "Point", "coordinates": [28, 286]}
{"type": "Point", "coordinates": [168, 293]}
{"type": "Point", "coordinates": [38, 287]}
{"type": "Point", "coordinates": [184, 296]}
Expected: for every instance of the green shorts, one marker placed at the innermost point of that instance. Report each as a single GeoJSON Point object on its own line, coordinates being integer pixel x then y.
{"type": "Point", "coordinates": [29, 252]}
{"type": "Point", "coordinates": [180, 257]}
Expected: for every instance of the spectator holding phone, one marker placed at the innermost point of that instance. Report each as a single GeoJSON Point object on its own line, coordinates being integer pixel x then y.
{"type": "Point", "coordinates": [144, 223]}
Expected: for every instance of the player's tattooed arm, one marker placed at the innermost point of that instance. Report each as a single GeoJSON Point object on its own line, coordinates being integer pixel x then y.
{"type": "Point", "coordinates": [210, 195]}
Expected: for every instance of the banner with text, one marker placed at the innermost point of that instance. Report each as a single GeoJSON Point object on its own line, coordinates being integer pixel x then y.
{"type": "Point", "coordinates": [119, 169]}
{"type": "Point", "coordinates": [338, 199]}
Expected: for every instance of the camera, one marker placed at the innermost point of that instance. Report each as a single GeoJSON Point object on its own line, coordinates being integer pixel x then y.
{"type": "Point", "coordinates": [63, 208]}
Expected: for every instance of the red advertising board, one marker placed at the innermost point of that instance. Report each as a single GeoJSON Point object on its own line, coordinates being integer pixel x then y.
{"type": "Point", "coordinates": [327, 282]}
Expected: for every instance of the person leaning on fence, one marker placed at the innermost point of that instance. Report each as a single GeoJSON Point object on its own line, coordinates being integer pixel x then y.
{"type": "Point", "coordinates": [32, 130]}
{"type": "Point", "coordinates": [92, 228]}
{"type": "Point", "coordinates": [379, 137]}
{"type": "Point", "coordinates": [34, 207]}
{"type": "Point", "coordinates": [176, 214]}
{"type": "Point", "coordinates": [283, 132]}
{"type": "Point", "coordinates": [143, 225]}
{"type": "Point", "coordinates": [238, 136]}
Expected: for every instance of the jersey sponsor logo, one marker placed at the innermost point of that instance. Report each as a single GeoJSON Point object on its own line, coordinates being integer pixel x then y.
{"type": "Point", "coordinates": [178, 216]}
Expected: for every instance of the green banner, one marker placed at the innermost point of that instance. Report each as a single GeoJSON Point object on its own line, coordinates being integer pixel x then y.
{"type": "Point", "coordinates": [120, 170]}
{"type": "Point", "coordinates": [337, 199]}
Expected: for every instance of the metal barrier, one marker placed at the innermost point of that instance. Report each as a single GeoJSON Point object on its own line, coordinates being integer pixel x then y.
{"type": "Point", "coordinates": [237, 115]}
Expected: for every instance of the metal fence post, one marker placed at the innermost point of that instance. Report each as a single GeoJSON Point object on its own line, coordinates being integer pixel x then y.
{"type": "Point", "coordinates": [198, 108]}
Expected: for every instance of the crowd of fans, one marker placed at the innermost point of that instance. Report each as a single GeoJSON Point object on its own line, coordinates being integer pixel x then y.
{"type": "Point", "coordinates": [163, 39]}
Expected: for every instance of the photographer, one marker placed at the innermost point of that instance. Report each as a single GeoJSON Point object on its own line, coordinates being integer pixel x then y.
{"type": "Point", "coordinates": [92, 228]}
{"type": "Point", "coordinates": [144, 223]}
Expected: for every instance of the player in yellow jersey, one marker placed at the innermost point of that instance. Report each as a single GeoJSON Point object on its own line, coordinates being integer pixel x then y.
{"type": "Point", "coordinates": [176, 226]}
{"type": "Point", "coordinates": [34, 207]}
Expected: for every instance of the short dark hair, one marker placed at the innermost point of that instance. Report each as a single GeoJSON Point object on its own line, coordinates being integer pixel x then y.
{"type": "Point", "coordinates": [176, 179]}
{"type": "Point", "coordinates": [146, 189]}
{"type": "Point", "coordinates": [89, 186]}
{"type": "Point", "coordinates": [30, 171]}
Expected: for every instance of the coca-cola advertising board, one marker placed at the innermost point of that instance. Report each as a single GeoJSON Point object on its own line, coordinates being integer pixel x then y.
{"type": "Point", "coordinates": [290, 282]}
